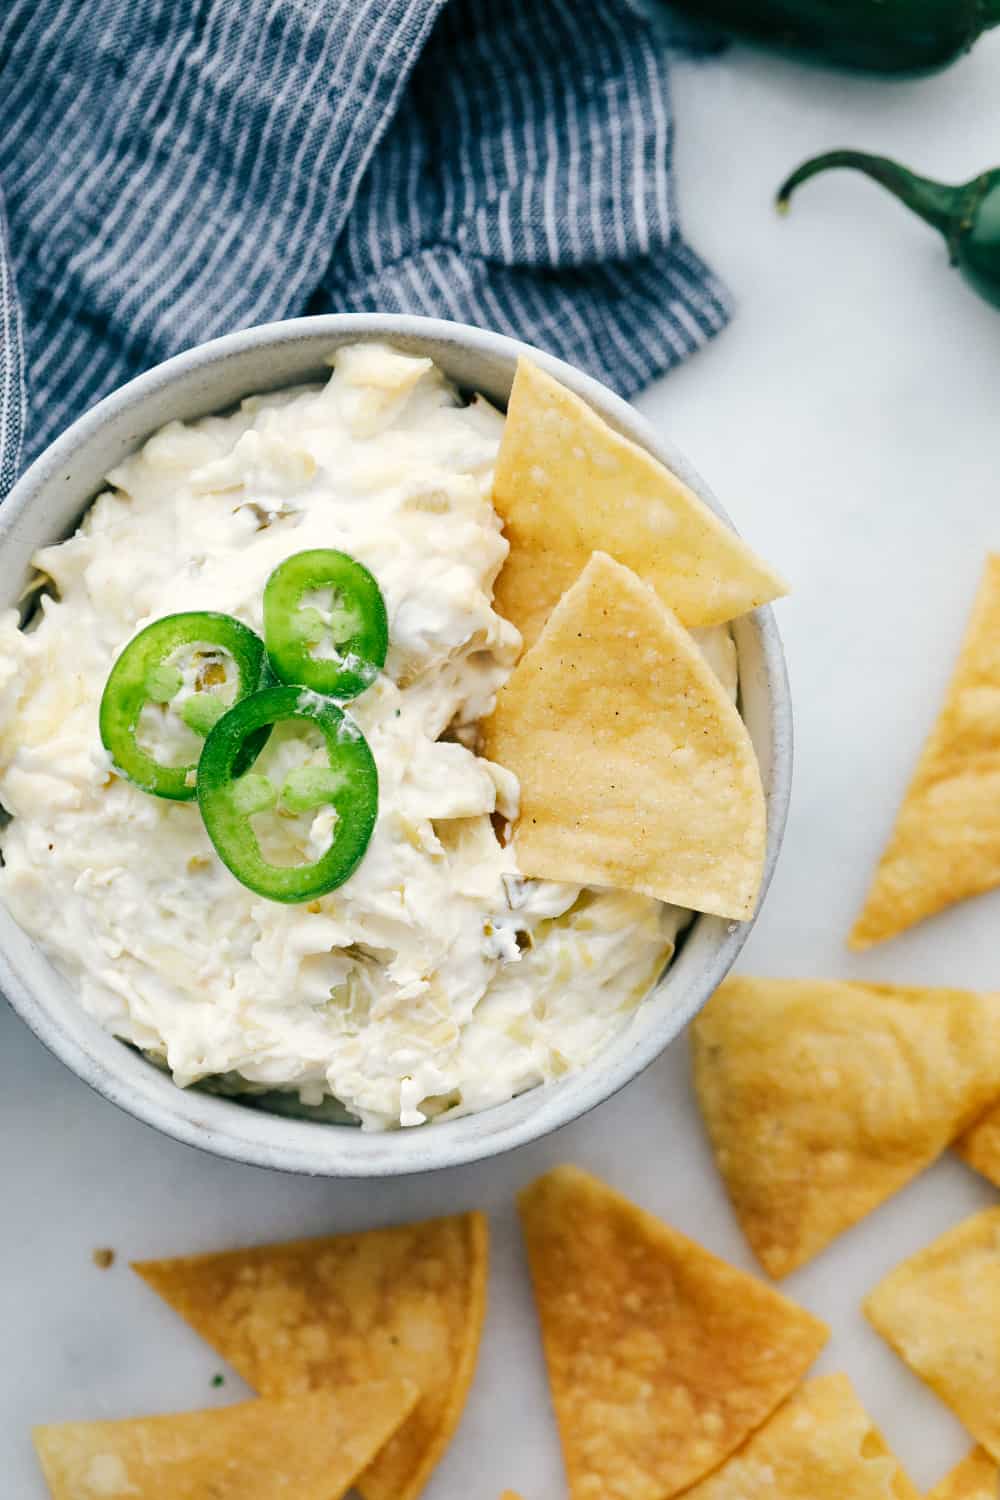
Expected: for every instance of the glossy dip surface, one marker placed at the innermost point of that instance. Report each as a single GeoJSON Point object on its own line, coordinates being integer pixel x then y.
{"type": "Point", "coordinates": [435, 979]}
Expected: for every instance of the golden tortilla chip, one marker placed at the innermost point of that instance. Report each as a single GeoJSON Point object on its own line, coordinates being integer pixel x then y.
{"type": "Point", "coordinates": [940, 1311]}
{"type": "Point", "coordinates": [309, 1448]}
{"type": "Point", "coordinates": [946, 842]}
{"type": "Point", "coordinates": [979, 1147]}
{"type": "Point", "coordinates": [822, 1098]}
{"type": "Point", "coordinates": [820, 1445]}
{"type": "Point", "coordinates": [636, 770]}
{"type": "Point", "coordinates": [976, 1478]}
{"type": "Point", "coordinates": [406, 1302]}
{"type": "Point", "coordinates": [568, 485]}
{"type": "Point", "coordinates": [661, 1358]}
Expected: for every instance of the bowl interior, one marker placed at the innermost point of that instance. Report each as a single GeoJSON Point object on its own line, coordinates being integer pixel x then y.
{"type": "Point", "coordinates": [47, 504]}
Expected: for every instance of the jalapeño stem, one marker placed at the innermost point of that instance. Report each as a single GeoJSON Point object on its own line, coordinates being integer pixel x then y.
{"type": "Point", "coordinates": [935, 202]}
{"type": "Point", "coordinates": [967, 214]}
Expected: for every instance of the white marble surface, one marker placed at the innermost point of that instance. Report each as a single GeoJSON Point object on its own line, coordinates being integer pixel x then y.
{"type": "Point", "coordinates": [848, 420]}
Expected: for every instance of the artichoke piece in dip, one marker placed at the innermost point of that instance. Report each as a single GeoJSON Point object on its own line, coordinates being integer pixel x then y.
{"type": "Point", "coordinates": [435, 979]}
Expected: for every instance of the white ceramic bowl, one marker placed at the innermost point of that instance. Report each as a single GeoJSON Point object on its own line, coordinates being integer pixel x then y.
{"type": "Point", "coordinates": [47, 504]}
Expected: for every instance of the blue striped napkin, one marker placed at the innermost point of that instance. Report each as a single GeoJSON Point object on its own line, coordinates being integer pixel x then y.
{"type": "Point", "coordinates": [171, 171]}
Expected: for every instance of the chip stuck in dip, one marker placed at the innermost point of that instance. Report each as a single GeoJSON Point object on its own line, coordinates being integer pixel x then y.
{"type": "Point", "coordinates": [277, 776]}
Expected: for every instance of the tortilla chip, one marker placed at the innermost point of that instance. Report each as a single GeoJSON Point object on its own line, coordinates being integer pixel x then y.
{"type": "Point", "coordinates": [940, 1311]}
{"type": "Point", "coordinates": [309, 1448]}
{"type": "Point", "coordinates": [946, 842]}
{"type": "Point", "coordinates": [661, 1358]}
{"type": "Point", "coordinates": [820, 1445]}
{"type": "Point", "coordinates": [636, 770]}
{"type": "Point", "coordinates": [979, 1147]}
{"type": "Point", "coordinates": [976, 1478]}
{"type": "Point", "coordinates": [568, 485]}
{"type": "Point", "coordinates": [406, 1302]}
{"type": "Point", "coordinates": [822, 1098]}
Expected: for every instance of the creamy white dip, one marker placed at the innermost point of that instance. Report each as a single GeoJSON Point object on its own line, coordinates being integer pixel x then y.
{"type": "Point", "coordinates": [434, 979]}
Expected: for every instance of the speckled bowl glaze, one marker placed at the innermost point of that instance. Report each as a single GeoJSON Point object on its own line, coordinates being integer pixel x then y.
{"type": "Point", "coordinates": [46, 506]}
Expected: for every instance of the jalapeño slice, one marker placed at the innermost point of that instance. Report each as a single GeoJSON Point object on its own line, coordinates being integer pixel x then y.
{"type": "Point", "coordinates": [150, 670]}
{"type": "Point", "coordinates": [229, 798]}
{"type": "Point", "coordinates": [337, 644]}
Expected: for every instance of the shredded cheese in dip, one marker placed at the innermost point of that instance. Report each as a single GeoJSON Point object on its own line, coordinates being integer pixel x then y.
{"type": "Point", "coordinates": [435, 979]}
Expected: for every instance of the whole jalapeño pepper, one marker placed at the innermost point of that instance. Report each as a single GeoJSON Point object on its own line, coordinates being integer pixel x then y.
{"type": "Point", "coordinates": [882, 36]}
{"type": "Point", "coordinates": [967, 215]}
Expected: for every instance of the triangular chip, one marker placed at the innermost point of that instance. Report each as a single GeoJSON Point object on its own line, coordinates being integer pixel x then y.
{"type": "Point", "coordinates": [940, 1311]}
{"type": "Point", "coordinates": [821, 1445]}
{"type": "Point", "coordinates": [946, 842]}
{"type": "Point", "coordinates": [979, 1146]}
{"type": "Point", "coordinates": [975, 1478]}
{"type": "Point", "coordinates": [662, 1359]}
{"type": "Point", "coordinates": [636, 770]}
{"type": "Point", "coordinates": [822, 1098]}
{"type": "Point", "coordinates": [406, 1302]}
{"type": "Point", "coordinates": [310, 1448]}
{"type": "Point", "coordinates": [568, 485]}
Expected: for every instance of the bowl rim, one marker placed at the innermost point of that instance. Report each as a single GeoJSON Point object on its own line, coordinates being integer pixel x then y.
{"type": "Point", "coordinates": [212, 1123]}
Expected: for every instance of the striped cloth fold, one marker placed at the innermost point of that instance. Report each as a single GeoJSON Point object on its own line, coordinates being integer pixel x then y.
{"type": "Point", "coordinates": [170, 172]}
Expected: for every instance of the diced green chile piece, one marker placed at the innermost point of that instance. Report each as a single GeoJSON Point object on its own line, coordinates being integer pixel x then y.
{"type": "Point", "coordinates": [348, 783]}
{"type": "Point", "coordinates": [358, 629]}
{"type": "Point", "coordinates": [144, 674]}
{"type": "Point", "coordinates": [202, 712]}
